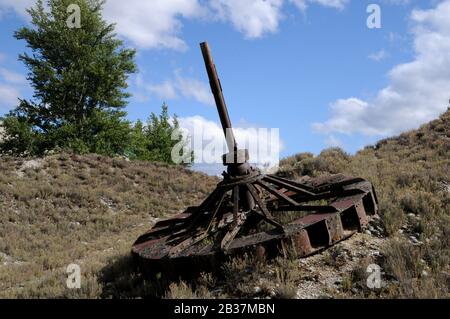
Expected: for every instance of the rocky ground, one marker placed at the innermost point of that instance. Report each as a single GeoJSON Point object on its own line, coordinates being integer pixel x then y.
{"type": "Point", "coordinates": [325, 275]}
{"type": "Point", "coordinates": [325, 279]}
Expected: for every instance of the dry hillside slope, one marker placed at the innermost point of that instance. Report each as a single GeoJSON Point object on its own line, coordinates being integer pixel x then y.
{"type": "Point", "coordinates": [88, 210]}
{"type": "Point", "coordinates": [66, 209]}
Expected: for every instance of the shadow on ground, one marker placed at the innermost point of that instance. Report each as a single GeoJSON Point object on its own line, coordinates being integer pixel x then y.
{"type": "Point", "coordinates": [120, 279]}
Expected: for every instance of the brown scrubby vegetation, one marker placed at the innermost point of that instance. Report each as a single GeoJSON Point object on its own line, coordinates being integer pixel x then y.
{"type": "Point", "coordinates": [87, 210]}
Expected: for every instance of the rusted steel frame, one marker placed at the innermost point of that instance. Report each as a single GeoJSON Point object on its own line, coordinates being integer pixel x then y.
{"type": "Point", "coordinates": [217, 196]}
{"type": "Point", "coordinates": [193, 225]}
{"type": "Point", "coordinates": [288, 186]}
{"type": "Point", "coordinates": [158, 233]}
{"type": "Point", "coordinates": [327, 195]}
{"type": "Point", "coordinates": [306, 240]}
{"type": "Point", "coordinates": [193, 240]}
{"type": "Point", "coordinates": [277, 193]}
{"type": "Point", "coordinates": [184, 249]}
{"type": "Point", "coordinates": [307, 208]}
{"type": "Point", "coordinates": [165, 227]}
{"type": "Point", "coordinates": [208, 201]}
{"type": "Point", "coordinates": [230, 235]}
{"type": "Point", "coordinates": [216, 89]}
{"type": "Point", "coordinates": [176, 250]}
{"type": "Point", "coordinates": [300, 185]}
{"type": "Point", "coordinates": [242, 180]}
{"type": "Point", "coordinates": [338, 185]}
{"type": "Point", "coordinates": [235, 204]}
{"type": "Point", "coordinates": [139, 246]}
{"type": "Point", "coordinates": [259, 201]}
{"type": "Point", "coordinates": [177, 218]}
{"type": "Point", "coordinates": [267, 216]}
{"type": "Point", "coordinates": [237, 222]}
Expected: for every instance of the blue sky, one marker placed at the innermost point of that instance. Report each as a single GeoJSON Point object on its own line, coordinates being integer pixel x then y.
{"type": "Point", "coordinates": [311, 68]}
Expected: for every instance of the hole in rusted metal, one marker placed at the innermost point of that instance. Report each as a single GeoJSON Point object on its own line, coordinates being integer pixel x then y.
{"type": "Point", "coordinates": [369, 204]}
{"type": "Point", "coordinates": [318, 235]}
{"type": "Point", "coordinates": [350, 219]}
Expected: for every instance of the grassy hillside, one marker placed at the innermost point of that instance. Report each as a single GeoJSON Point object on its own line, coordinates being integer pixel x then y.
{"type": "Point", "coordinates": [88, 210]}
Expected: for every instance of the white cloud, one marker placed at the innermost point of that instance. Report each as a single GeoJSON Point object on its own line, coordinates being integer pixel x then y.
{"type": "Point", "coordinates": [9, 97]}
{"type": "Point", "coordinates": [158, 24]}
{"type": "Point", "coordinates": [147, 24]}
{"type": "Point", "coordinates": [397, 2]}
{"type": "Point", "coordinates": [418, 91]}
{"type": "Point", "coordinates": [194, 89]}
{"type": "Point", "coordinates": [12, 77]}
{"type": "Point", "coordinates": [333, 141]}
{"type": "Point", "coordinates": [253, 18]}
{"type": "Point", "coordinates": [337, 4]}
{"type": "Point", "coordinates": [209, 143]}
{"type": "Point", "coordinates": [17, 6]}
{"type": "Point", "coordinates": [378, 56]}
{"type": "Point", "coordinates": [179, 86]}
{"type": "Point", "coordinates": [155, 23]}
{"type": "Point", "coordinates": [10, 88]}
{"type": "Point", "coordinates": [165, 90]}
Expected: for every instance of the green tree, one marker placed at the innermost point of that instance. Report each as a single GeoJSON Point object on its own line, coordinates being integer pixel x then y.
{"type": "Point", "coordinates": [79, 77]}
{"type": "Point", "coordinates": [157, 140]}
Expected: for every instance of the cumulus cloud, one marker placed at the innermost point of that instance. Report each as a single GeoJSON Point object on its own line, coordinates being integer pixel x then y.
{"type": "Point", "coordinates": [337, 4]}
{"type": "Point", "coordinates": [194, 89]}
{"type": "Point", "coordinates": [333, 141]}
{"type": "Point", "coordinates": [378, 56]}
{"type": "Point", "coordinates": [17, 6]}
{"type": "Point", "coordinates": [255, 18]}
{"type": "Point", "coordinates": [179, 86]}
{"type": "Point", "coordinates": [11, 84]}
{"type": "Point", "coordinates": [252, 17]}
{"type": "Point", "coordinates": [147, 24]}
{"type": "Point", "coordinates": [208, 142]}
{"type": "Point", "coordinates": [158, 24]}
{"type": "Point", "coordinates": [153, 24]}
{"type": "Point", "coordinates": [12, 77]}
{"type": "Point", "coordinates": [397, 2]}
{"type": "Point", "coordinates": [418, 91]}
{"type": "Point", "coordinates": [9, 97]}
{"type": "Point", "coordinates": [165, 90]}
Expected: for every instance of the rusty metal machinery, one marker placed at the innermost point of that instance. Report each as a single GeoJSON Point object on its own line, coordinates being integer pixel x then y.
{"type": "Point", "coordinates": [250, 212]}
